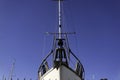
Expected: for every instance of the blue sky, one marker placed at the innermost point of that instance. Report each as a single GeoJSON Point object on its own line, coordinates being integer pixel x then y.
{"type": "Point", "coordinates": [24, 22]}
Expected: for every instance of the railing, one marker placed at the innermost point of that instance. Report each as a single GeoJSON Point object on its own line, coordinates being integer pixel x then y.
{"type": "Point", "coordinates": [73, 63]}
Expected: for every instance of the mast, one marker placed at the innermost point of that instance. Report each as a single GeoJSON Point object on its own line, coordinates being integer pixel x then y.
{"type": "Point", "coordinates": [11, 71]}
{"type": "Point", "coordinates": [60, 19]}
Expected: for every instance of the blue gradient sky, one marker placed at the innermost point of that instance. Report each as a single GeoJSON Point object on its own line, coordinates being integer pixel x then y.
{"type": "Point", "coordinates": [97, 42]}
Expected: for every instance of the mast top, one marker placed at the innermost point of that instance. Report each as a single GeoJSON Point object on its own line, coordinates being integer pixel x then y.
{"type": "Point", "coordinates": [60, 18]}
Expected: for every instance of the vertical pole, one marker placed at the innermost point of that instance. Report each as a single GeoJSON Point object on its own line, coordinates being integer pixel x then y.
{"type": "Point", "coordinates": [59, 14]}
{"type": "Point", "coordinates": [11, 72]}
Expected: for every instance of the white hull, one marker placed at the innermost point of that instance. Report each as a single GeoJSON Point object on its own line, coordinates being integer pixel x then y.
{"type": "Point", "coordinates": [62, 73]}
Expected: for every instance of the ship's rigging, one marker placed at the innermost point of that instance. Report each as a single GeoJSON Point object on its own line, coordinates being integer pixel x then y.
{"type": "Point", "coordinates": [60, 55]}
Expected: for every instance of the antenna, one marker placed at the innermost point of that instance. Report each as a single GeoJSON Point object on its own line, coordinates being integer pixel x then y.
{"type": "Point", "coordinates": [11, 71]}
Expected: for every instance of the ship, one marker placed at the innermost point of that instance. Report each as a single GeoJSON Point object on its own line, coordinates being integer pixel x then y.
{"type": "Point", "coordinates": [61, 63]}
